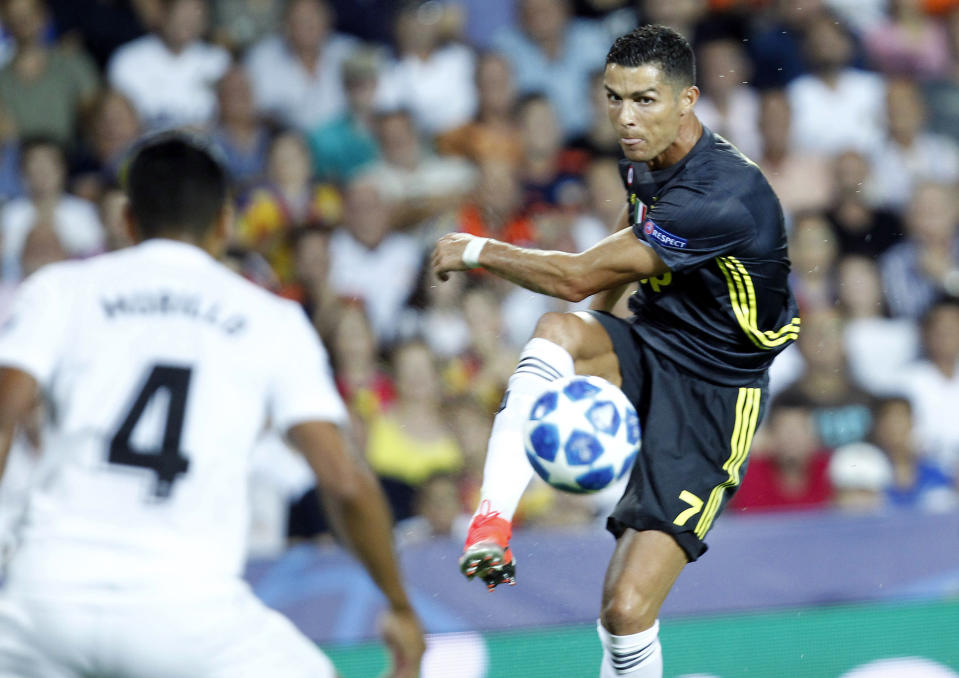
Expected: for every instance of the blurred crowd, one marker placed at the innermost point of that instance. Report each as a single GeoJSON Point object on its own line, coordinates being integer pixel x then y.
{"type": "Point", "coordinates": [357, 131]}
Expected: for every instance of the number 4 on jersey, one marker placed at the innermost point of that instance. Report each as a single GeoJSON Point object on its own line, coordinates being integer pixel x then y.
{"type": "Point", "coordinates": [167, 462]}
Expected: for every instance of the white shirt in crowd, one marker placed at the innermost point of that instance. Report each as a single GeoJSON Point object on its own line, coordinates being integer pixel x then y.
{"type": "Point", "coordinates": [433, 176]}
{"type": "Point", "coordinates": [438, 91]}
{"type": "Point", "coordinates": [382, 277]}
{"type": "Point", "coordinates": [75, 221]}
{"type": "Point", "coordinates": [935, 402]}
{"type": "Point", "coordinates": [285, 89]}
{"type": "Point", "coordinates": [739, 125]}
{"type": "Point", "coordinates": [896, 170]}
{"type": "Point", "coordinates": [161, 368]}
{"type": "Point", "coordinates": [831, 120]}
{"type": "Point", "coordinates": [169, 89]}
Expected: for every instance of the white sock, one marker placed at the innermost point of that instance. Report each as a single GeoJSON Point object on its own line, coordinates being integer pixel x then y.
{"type": "Point", "coordinates": [638, 655]}
{"type": "Point", "coordinates": [507, 472]}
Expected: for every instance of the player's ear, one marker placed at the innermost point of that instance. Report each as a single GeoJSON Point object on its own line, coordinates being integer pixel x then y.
{"type": "Point", "coordinates": [688, 99]}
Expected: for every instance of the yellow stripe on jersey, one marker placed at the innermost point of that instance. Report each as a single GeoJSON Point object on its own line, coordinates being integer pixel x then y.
{"type": "Point", "coordinates": [742, 296]}
{"type": "Point", "coordinates": [747, 415]}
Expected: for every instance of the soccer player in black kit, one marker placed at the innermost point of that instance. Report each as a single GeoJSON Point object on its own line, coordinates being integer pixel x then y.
{"type": "Point", "coordinates": [703, 235]}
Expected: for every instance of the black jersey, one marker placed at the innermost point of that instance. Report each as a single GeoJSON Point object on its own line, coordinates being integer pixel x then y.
{"type": "Point", "coordinates": [724, 309]}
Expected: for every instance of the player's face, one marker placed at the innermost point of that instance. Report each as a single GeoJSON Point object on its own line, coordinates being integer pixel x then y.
{"type": "Point", "coordinates": [645, 109]}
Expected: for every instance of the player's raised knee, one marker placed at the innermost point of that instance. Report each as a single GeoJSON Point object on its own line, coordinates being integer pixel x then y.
{"type": "Point", "coordinates": [628, 612]}
{"type": "Point", "coordinates": [565, 329]}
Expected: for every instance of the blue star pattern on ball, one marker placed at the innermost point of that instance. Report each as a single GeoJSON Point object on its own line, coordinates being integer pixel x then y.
{"type": "Point", "coordinates": [582, 434]}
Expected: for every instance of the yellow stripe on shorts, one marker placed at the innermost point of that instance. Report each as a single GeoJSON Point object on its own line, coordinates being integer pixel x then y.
{"type": "Point", "coordinates": [747, 415]}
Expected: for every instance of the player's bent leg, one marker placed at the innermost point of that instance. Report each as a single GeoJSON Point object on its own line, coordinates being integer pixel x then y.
{"type": "Point", "coordinates": [641, 572]}
{"type": "Point", "coordinates": [563, 344]}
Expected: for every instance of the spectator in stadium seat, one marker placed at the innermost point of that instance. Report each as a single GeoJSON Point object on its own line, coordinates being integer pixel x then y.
{"type": "Point", "coordinates": [606, 194]}
{"type": "Point", "coordinates": [813, 251]}
{"type": "Point", "coordinates": [45, 90]}
{"type": "Point", "coordinates": [239, 132]}
{"type": "Point", "coordinates": [99, 27]}
{"type": "Point", "coordinates": [835, 106]}
{"type": "Point", "coordinates": [289, 198]}
{"type": "Point", "coordinates": [554, 53]}
{"type": "Point", "coordinates": [923, 267]}
{"type": "Point", "coordinates": [417, 184]}
{"type": "Point", "coordinates": [311, 278]}
{"type": "Point", "coordinates": [551, 172]}
{"type": "Point", "coordinates": [861, 225]}
{"type": "Point", "coordinates": [682, 16]}
{"type": "Point", "coordinates": [940, 94]}
{"type": "Point", "coordinates": [908, 42]}
{"type": "Point", "coordinates": [369, 20]}
{"type": "Point", "coordinates": [860, 475]}
{"type": "Point", "coordinates": [932, 386]}
{"type": "Point", "coordinates": [910, 154]}
{"type": "Point", "coordinates": [438, 512]}
{"type": "Point", "coordinates": [73, 219]}
{"type": "Point", "coordinates": [170, 74]}
{"type": "Point", "coordinates": [600, 139]}
{"type": "Point", "coordinates": [877, 347]}
{"type": "Point", "coordinates": [493, 133]}
{"type": "Point", "coordinates": [775, 43]}
{"type": "Point", "coordinates": [435, 314]}
{"type": "Point", "coordinates": [239, 24]}
{"type": "Point", "coordinates": [490, 358]}
{"type": "Point", "coordinates": [111, 208]}
{"type": "Point", "coordinates": [800, 178]}
{"type": "Point", "coordinates": [432, 75]}
{"type": "Point", "coordinates": [113, 128]}
{"type": "Point", "coordinates": [366, 253]}
{"type": "Point", "coordinates": [361, 378]}
{"type": "Point", "coordinates": [10, 185]}
{"type": "Point", "coordinates": [297, 75]}
{"type": "Point", "coordinates": [728, 106]}
{"type": "Point", "coordinates": [496, 208]}
{"type": "Point", "coordinates": [346, 144]}
{"type": "Point", "coordinates": [470, 421]}
{"type": "Point", "coordinates": [41, 247]}
{"type": "Point", "coordinates": [841, 410]}
{"type": "Point", "coordinates": [411, 441]}
{"type": "Point", "coordinates": [791, 472]}
{"type": "Point", "coordinates": [917, 481]}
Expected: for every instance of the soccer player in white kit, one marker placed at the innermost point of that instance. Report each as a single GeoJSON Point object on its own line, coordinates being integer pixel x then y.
{"type": "Point", "coordinates": [159, 368]}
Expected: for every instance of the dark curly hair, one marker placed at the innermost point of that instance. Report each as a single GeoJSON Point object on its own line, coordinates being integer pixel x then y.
{"type": "Point", "coordinates": [653, 44]}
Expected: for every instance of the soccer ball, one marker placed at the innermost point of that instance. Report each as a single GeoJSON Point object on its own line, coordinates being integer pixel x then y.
{"type": "Point", "coordinates": [582, 434]}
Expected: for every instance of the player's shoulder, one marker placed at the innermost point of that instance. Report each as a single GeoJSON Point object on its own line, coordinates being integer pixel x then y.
{"type": "Point", "coordinates": [283, 314]}
{"type": "Point", "coordinates": [723, 170]}
{"type": "Point", "coordinates": [720, 163]}
{"type": "Point", "coordinates": [60, 274]}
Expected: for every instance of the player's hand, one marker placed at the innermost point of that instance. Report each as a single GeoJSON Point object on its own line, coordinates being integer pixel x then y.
{"type": "Point", "coordinates": [448, 254]}
{"type": "Point", "coordinates": [403, 636]}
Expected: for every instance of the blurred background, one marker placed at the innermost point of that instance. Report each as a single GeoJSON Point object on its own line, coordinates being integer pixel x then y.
{"type": "Point", "coordinates": [358, 131]}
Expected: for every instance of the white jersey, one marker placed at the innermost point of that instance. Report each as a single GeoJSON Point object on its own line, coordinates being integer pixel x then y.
{"type": "Point", "coordinates": [160, 368]}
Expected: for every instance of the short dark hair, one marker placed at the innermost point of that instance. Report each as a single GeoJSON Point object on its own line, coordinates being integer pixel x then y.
{"type": "Point", "coordinates": [655, 44]}
{"type": "Point", "coordinates": [175, 184]}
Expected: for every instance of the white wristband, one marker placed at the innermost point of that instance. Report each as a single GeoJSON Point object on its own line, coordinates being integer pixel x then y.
{"type": "Point", "coordinates": [472, 251]}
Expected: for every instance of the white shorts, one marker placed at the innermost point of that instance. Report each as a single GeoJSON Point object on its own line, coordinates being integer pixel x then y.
{"type": "Point", "coordinates": [136, 633]}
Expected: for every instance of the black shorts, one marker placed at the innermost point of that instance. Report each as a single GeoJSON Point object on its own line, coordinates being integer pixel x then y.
{"type": "Point", "coordinates": [695, 442]}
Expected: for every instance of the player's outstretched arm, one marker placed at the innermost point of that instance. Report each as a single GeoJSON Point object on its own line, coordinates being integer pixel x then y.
{"type": "Point", "coordinates": [359, 513]}
{"type": "Point", "coordinates": [18, 393]}
{"type": "Point", "coordinates": [617, 260]}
